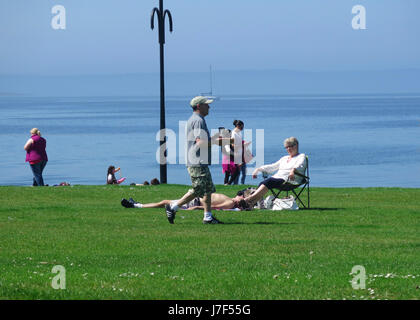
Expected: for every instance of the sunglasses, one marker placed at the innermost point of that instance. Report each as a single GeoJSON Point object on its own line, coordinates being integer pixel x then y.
{"type": "Point", "coordinates": [287, 147]}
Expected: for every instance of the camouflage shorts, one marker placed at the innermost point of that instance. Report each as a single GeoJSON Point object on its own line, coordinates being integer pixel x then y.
{"type": "Point", "coordinates": [201, 181]}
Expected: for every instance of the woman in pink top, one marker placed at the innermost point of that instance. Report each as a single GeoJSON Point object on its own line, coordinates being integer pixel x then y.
{"type": "Point", "coordinates": [229, 167]}
{"type": "Point", "coordinates": [36, 155]}
{"type": "Point", "coordinates": [239, 150]}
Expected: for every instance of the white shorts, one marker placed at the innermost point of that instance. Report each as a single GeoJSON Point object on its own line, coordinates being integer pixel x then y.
{"type": "Point", "coordinates": [193, 203]}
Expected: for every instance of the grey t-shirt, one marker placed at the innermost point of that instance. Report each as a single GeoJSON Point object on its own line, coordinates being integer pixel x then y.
{"type": "Point", "coordinates": [197, 128]}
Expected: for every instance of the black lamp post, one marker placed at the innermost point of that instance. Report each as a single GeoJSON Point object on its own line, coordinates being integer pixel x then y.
{"type": "Point", "coordinates": [161, 15]}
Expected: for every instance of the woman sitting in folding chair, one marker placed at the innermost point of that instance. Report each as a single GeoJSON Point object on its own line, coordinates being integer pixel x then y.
{"type": "Point", "coordinates": [289, 168]}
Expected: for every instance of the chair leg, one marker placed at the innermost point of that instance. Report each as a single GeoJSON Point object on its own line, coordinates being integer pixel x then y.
{"type": "Point", "coordinates": [275, 194]}
{"type": "Point", "coordinates": [297, 195]}
{"type": "Point", "coordinates": [308, 196]}
{"type": "Point", "coordinates": [300, 192]}
{"type": "Point", "coordinates": [298, 198]}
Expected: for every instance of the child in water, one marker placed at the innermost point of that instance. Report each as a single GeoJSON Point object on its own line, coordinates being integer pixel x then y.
{"type": "Point", "coordinates": [110, 179]}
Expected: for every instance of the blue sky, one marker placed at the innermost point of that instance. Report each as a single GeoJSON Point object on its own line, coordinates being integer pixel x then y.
{"type": "Point", "coordinates": [113, 37]}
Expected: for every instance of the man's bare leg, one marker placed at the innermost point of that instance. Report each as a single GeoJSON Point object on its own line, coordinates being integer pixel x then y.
{"type": "Point", "coordinates": [160, 204]}
{"type": "Point", "coordinates": [133, 204]}
{"type": "Point", "coordinates": [207, 202]}
{"type": "Point", "coordinates": [208, 216]}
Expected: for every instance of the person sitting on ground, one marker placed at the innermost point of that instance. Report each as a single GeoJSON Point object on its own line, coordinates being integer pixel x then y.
{"type": "Point", "coordinates": [145, 183]}
{"type": "Point", "coordinates": [110, 179]}
{"type": "Point", "coordinates": [289, 168]}
{"type": "Point", "coordinates": [218, 202]}
{"type": "Point", "coordinates": [62, 184]}
{"type": "Point", "coordinates": [153, 182]}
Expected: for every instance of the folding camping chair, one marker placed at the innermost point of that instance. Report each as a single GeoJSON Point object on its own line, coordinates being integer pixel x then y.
{"type": "Point", "coordinates": [296, 189]}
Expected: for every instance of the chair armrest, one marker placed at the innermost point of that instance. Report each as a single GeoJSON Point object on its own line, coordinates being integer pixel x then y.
{"type": "Point", "coordinates": [292, 182]}
{"type": "Point", "coordinates": [301, 175]}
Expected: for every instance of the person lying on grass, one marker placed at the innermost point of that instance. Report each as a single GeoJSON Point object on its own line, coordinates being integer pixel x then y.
{"type": "Point", "coordinates": [219, 201]}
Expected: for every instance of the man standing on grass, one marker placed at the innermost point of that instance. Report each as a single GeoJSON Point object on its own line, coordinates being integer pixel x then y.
{"type": "Point", "coordinates": [198, 159]}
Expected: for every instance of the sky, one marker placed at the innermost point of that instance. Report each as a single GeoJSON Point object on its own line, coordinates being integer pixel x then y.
{"type": "Point", "coordinates": [114, 37]}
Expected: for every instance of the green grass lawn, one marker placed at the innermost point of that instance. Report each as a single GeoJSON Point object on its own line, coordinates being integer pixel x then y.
{"type": "Point", "coordinates": [110, 252]}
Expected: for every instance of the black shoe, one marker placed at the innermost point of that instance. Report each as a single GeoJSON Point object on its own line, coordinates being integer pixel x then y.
{"type": "Point", "coordinates": [131, 200]}
{"type": "Point", "coordinates": [170, 213]}
{"type": "Point", "coordinates": [127, 204]}
{"type": "Point", "coordinates": [212, 221]}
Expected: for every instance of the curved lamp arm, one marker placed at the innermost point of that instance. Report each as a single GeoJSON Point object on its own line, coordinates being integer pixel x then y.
{"type": "Point", "coordinates": [167, 12]}
{"type": "Point", "coordinates": [152, 16]}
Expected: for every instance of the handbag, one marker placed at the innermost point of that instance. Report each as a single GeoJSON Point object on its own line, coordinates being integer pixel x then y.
{"type": "Point", "coordinates": [268, 202]}
{"type": "Point", "coordinates": [288, 203]}
{"type": "Point", "coordinates": [247, 155]}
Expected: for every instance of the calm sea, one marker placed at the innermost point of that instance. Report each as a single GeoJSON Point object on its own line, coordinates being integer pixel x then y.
{"type": "Point", "coordinates": [363, 141]}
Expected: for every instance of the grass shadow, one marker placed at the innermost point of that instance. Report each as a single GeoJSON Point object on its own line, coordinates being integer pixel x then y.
{"type": "Point", "coordinates": [321, 209]}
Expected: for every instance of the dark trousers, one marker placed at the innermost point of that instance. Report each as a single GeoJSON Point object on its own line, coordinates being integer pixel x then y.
{"type": "Point", "coordinates": [37, 170]}
{"type": "Point", "coordinates": [243, 175]}
{"type": "Point", "coordinates": [230, 178]}
{"type": "Point", "coordinates": [273, 183]}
